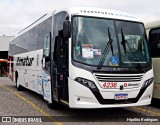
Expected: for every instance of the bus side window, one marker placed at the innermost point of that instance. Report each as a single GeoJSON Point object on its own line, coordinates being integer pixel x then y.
{"type": "Point", "coordinates": [154, 38]}
{"type": "Point", "coordinates": [46, 46]}
{"type": "Point", "coordinates": [46, 52]}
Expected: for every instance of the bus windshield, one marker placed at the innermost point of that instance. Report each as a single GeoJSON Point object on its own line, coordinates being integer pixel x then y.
{"type": "Point", "coordinates": [90, 38]}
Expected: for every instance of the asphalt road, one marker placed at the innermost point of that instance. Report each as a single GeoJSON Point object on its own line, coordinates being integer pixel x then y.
{"type": "Point", "coordinates": [27, 106]}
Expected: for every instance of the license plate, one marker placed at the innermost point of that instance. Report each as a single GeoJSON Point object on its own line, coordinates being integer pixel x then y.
{"type": "Point", "coordinates": [120, 96]}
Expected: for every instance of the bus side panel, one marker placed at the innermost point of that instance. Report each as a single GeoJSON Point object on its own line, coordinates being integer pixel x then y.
{"type": "Point", "coordinates": [156, 92]}
{"type": "Point", "coordinates": [156, 69]}
{"type": "Point", "coordinates": [26, 65]}
{"type": "Point", "coordinates": [31, 74]}
{"type": "Point", "coordinates": [47, 87]}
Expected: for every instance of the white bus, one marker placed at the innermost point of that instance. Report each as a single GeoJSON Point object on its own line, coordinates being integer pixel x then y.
{"type": "Point", "coordinates": [84, 58]}
{"type": "Point", "coordinates": [153, 33]}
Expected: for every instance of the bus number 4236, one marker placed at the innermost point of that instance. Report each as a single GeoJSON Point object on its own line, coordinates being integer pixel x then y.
{"type": "Point", "coordinates": [109, 85]}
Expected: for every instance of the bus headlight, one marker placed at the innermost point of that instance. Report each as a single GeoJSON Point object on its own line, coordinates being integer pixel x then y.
{"type": "Point", "coordinates": [87, 83]}
{"type": "Point", "coordinates": [147, 83]}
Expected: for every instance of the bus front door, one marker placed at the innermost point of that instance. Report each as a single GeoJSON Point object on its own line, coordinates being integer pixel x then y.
{"type": "Point", "coordinates": [60, 57]}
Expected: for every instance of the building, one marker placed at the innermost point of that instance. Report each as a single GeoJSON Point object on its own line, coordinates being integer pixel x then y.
{"type": "Point", "coordinates": [4, 48]}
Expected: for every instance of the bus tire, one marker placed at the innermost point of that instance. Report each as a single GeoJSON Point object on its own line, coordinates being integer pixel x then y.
{"type": "Point", "coordinates": [19, 87]}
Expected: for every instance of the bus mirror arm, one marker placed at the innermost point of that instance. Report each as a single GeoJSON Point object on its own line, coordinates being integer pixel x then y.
{"type": "Point", "coordinates": [66, 29]}
{"type": "Point", "coordinates": [47, 58]}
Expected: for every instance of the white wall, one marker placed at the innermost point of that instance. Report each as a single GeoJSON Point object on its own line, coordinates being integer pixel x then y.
{"type": "Point", "coordinates": [4, 42]}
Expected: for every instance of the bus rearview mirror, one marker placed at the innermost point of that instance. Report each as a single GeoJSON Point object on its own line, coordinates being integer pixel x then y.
{"type": "Point", "coordinates": [67, 29]}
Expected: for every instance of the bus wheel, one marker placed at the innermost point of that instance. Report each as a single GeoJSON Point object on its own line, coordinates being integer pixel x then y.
{"type": "Point", "coordinates": [53, 105]}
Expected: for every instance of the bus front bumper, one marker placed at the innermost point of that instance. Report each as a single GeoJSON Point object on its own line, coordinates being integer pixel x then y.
{"type": "Point", "coordinates": [82, 97]}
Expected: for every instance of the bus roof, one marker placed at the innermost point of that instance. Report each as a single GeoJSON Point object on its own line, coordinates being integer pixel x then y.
{"type": "Point", "coordinates": [100, 12]}
{"type": "Point", "coordinates": [35, 23]}
{"type": "Point", "coordinates": [153, 24]}
{"type": "Point", "coordinates": [85, 11]}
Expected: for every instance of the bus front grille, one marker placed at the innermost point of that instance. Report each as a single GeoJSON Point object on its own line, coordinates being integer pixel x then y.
{"type": "Point", "coordinates": [118, 78]}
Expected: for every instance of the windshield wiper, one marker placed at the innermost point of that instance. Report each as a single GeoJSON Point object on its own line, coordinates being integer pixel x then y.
{"type": "Point", "coordinates": [106, 50]}
{"type": "Point", "coordinates": [124, 43]}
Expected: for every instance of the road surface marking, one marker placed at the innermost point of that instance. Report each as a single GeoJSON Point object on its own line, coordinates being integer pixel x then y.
{"type": "Point", "coordinates": [32, 104]}
{"type": "Point", "coordinates": [147, 110]}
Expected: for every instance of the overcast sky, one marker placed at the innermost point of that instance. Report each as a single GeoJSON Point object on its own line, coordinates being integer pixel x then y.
{"type": "Point", "coordinates": [18, 14]}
